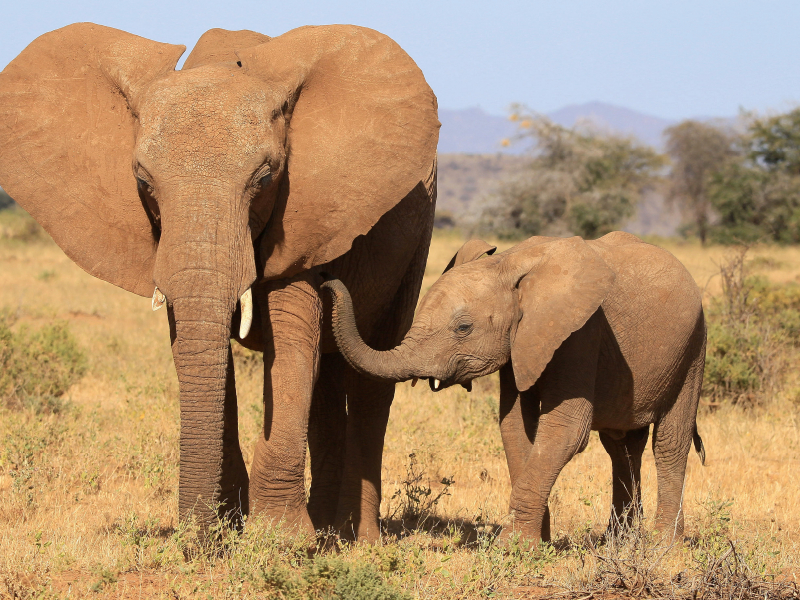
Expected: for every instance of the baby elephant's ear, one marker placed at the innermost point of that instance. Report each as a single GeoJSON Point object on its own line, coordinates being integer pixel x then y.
{"type": "Point", "coordinates": [468, 252]}
{"type": "Point", "coordinates": [562, 283]}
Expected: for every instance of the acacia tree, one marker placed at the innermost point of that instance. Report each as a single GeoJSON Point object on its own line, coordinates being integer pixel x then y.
{"type": "Point", "coordinates": [757, 196]}
{"type": "Point", "coordinates": [774, 142]}
{"type": "Point", "coordinates": [698, 151]}
{"type": "Point", "coordinates": [576, 181]}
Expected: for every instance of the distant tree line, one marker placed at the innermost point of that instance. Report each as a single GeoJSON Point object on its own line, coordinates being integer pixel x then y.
{"type": "Point", "coordinates": [731, 186]}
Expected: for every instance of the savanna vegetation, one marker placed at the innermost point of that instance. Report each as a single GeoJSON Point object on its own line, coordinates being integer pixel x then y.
{"type": "Point", "coordinates": [732, 183]}
{"type": "Point", "coordinates": [579, 182]}
{"type": "Point", "coordinates": [89, 461]}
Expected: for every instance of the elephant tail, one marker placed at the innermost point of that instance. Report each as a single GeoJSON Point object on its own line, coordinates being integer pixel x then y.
{"type": "Point", "coordinates": [698, 446]}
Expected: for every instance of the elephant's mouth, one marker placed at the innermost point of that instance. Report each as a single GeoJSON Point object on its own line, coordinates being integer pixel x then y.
{"type": "Point", "coordinates": [437, 385]}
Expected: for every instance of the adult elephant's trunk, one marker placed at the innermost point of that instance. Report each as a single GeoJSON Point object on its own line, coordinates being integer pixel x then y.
{"type": "Point", "coordinates": [204, 265]}
{"type": "Point", "coordinates": [213, 478]}
{"type": "Point", "coordinates": [391, 364]}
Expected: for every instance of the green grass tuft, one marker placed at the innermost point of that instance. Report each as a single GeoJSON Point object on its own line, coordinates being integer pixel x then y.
{"type": "Point", "coordinates": [38, 366]}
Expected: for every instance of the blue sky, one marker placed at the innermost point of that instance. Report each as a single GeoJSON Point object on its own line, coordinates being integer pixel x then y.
{"type": "Point", "coordinates": [672, 59]}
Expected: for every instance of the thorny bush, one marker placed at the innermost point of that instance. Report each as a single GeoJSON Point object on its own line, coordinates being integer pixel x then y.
{"type": "Point", "coordinates": [753, 330]}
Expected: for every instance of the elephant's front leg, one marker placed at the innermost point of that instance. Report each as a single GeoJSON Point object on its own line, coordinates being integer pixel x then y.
{"type": "Point", "coordinates": [566, 394]}
{"type": "Point", "coordinates": [291, 326]}
{"type": "Point", "coordinates": [563, 432]}
{"type": "Point", "coordinates": [519, 419]}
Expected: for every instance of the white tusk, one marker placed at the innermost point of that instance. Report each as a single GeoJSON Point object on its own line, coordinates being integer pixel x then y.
{"type": "Point", "coordinates": [246, 302]}
{"type": "Point", "coordinates": [158, 299]}
{"type": "Point", "coordinates": [414, 381]}
{"type": "Point", "coordinates": [436, 384]}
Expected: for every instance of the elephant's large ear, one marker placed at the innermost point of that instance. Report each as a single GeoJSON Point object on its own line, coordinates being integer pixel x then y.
{"type": "Point", "coordinates": [220, 45]}
{"type": "Point", "coordinates": [362, 135]}
{"type": "Point", "coordinates": [468, 252]}
{"type": "Point", "coordinates": [67, 127]}
{"type": "Point", "coordinates": [561, 284]}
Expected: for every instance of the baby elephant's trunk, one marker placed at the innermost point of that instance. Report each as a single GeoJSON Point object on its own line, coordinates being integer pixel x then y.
{"type": "Point", "coordinates": [392, 364]}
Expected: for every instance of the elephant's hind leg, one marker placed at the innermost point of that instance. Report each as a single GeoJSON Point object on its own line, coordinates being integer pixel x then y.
{"type": "Point", "coordinates": [369, 401]}
{"type": "Point", "coordinates": [326, 441]}
{"type": "Point", "coordinates": [672, 440]}
{"type": "Point", "coordinates": [626, 468]}
{"type": "Point", "coordinates": [368, 404]}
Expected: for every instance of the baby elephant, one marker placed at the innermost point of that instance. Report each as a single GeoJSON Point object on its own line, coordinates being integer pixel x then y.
{"type": "Point", "coordinates": [606, 335]}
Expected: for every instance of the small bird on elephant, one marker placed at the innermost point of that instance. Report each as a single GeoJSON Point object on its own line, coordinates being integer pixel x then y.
{"type": "Point", "coordinates": [606, 335]}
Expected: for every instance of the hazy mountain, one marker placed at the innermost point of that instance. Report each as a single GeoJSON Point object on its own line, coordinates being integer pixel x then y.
{"type": "Point", "coordinates": [467, 179]}
{"type": "Point", "coordinates": [613, 119]}
{"type": "Point", "coordinates": [474, 131]}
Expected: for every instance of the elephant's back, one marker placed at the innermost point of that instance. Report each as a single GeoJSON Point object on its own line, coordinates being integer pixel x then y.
{"type": "Point", "coordinates": [655, 313]}
{"type": "Point", "coordinates": [647, 274]}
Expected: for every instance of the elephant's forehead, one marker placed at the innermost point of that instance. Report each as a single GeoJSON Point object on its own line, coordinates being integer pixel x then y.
{"type": "Point", "coordinates": [202, 124]}
{"type": "Point", "coordinates": [455, 290]}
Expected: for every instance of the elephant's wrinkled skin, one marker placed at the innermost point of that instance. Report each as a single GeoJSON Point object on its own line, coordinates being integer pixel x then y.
{"type": "Point", "coordinates": [240, 176]}
{"type": "Point", "coordinates": [606, 335]}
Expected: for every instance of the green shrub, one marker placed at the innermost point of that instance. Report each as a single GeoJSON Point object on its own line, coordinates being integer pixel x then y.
{"type": "Point", "coordinates": [348, 581]}
{"type": "Point", "coordinates": [752, 329]}
{"type": "Point", "coordinates": [38, 366]}
{"type": "Point", "coordinates": [326, 578]}
{"type": "Point", "coordinates": [17, 225]}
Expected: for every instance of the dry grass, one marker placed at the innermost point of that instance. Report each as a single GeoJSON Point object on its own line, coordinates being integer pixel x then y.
{"type": "Point", "coordinates": [88, 496]}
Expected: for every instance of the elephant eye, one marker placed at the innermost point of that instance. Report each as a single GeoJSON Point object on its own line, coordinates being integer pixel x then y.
{"type": "Point", "coordinates": [265, 180]}
{"type": "Point", "coordinates": [142, 185]}
{"type": "Point", "coordinates": [464, 328]}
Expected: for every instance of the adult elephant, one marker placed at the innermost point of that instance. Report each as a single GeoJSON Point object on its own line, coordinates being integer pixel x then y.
{"type": "Point", "coordinates": [604, 335]}
{"type": "Point", "coordinates": [236, 178]}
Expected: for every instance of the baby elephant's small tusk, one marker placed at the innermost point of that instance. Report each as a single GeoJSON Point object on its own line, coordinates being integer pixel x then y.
{"type": "Point", "coordinates": [436, 384]}
{"type": "Point", "coordinates": [158, 299]}
{"type": "Point", "coordinates": [246, 302]}
{"type": "Point", "coordinates": [414, 381]}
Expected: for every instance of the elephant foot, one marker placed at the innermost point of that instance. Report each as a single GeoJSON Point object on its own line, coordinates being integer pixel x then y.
{"type": "Point", "coordinates": [670, 529]}
{"type": "Point", "coordinates": [293, 521]}
{"type": "Point", "coordinates": [277, 491]}
{"type": "Point", "coordinates": [358, 517]}
{"type": "Point", "coordinates": [525, 532]}
{"type": "Point", "coordinates": [322, 506]}
{"type": "Point", "coordinates": [369, 532]}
